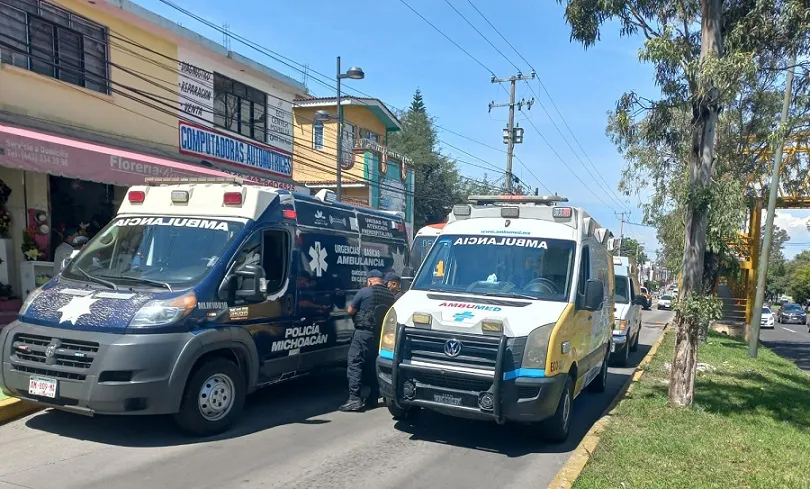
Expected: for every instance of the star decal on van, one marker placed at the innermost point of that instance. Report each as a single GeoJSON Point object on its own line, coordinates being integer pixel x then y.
{"type": "Point", "coordinates": [318, 262]}
{"type": "Point", "coordinates": [399, 261]}
{"type": "Point", "coordinates": [76, 308]}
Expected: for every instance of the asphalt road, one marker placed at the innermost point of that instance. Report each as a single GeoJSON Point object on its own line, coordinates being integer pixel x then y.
{"type": "Point", "coordinates": [292, 436]}
{"type": "Point", "coordinates": [791, 341]}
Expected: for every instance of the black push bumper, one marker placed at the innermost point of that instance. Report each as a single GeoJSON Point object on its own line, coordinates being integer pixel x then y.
{"type": "Point", "coordinates": [460, 388]}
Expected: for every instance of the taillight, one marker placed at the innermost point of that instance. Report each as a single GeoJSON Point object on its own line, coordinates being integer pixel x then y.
{"type": "Point", "coordinates": [232, 198]}
{"type": "Point", "coordinates": [289, 214]}
{"type": "Point", "coordinates": [136, 196]}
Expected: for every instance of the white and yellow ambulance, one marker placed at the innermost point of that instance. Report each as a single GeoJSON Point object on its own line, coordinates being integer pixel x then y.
{"type": "Point", "coordinates": [518, 324]}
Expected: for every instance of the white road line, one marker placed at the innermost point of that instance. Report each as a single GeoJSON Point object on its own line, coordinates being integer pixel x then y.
{"type": "Point", "coordinates": [788, 329]}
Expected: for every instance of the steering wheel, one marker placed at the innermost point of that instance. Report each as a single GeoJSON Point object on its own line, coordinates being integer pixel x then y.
{"type": "Point", "coordinates": [544, 283]}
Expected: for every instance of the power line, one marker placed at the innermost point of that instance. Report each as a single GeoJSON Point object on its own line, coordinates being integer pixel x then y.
{"type": "Point", "coordinates": [481, 34]}
{"type": "Point", "coordinates": [446, 37]}
{"type": "Point", "coordinates": [501, 35]}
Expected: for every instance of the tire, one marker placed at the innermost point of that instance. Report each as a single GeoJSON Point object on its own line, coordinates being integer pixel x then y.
{"type": "Point", "coordinates": [624, 355]}
{"type": "Point", "coordinates": [634, 344]}
{"type": "Point", "coordinates": [556, 428]}
{"type": "Point", "coordinates": [599, 384]}
{"type": "Point", "coordinates": [217, 379]}
{"type": "Point", "coordinates": [402, 414]}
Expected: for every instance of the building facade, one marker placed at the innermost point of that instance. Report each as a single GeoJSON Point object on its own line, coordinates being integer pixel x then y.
{"type": "Point", "coordinates": [372, 174]}
{"type": "Point", "coordinates": [97, 95]}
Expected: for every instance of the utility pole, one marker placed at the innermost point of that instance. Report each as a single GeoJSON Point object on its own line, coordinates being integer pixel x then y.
{"type": "Point", "coordinates": [765, 252]}
{"type": "Point", "coordinates": [512, 135]}
{"type": "Point", "coordinates": [621, 232]}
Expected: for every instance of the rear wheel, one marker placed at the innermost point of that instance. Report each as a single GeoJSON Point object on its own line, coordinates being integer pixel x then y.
{"type": "Point", "coordinates": [599, 384]}
{"type": "Point", "coordinates": [402, 414]}
{"type": "Point", "coordinates": [556, 428]}
{"type": "Point", "coordinates": [214, 398]}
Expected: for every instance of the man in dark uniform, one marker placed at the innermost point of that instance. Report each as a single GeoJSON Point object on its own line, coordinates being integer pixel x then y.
{"type": "Point", "coordinates": [363, 349]}
{"type": "Point", "coordinates": [393, 282]}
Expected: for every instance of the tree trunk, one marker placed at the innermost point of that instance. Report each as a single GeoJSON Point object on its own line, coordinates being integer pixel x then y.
{"type": "Point", "coordinates": [705, 112]}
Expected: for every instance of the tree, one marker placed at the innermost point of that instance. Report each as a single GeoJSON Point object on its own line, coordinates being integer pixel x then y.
{"type": "Point", "coordinates": [799, 285]}
{"type": "Point", "coordinates": [437, 183]}
{"type": "Point", "coordinates": [699, 72]}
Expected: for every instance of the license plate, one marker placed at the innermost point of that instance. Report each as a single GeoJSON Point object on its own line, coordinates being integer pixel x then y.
{"type": "Point", "coordinates": [447, 399]}
{"type": "Point", "coordinates": [42, 386]}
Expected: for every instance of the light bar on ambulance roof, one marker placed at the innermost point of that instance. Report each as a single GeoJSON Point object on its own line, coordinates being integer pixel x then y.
{"type": "Point", "coordinates": [562, 212]}
{"type": "Point", "coordinates": [136, 196]}
{"type": "Point", "coordinates": [516, 199]}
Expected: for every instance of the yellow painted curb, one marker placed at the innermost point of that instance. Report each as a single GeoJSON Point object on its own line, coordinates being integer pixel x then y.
{"type": "Point", "coordinates": [579, 457]}
{"type": "Point", "coordinates": [11, 409]}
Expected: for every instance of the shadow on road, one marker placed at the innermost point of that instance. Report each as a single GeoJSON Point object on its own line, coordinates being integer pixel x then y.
{"type": "Point", "coordinates": [293, 402]}
{"type": "Point", "coordinates": [796, 351]}
{"type": "Point", "coordinates": [516, 440]}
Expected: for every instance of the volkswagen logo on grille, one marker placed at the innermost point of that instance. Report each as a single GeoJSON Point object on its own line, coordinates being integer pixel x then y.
{"type": "Point", "coordinates": [452, 348]}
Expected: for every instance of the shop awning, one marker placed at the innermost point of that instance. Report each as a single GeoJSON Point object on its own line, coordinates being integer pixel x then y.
{"type": "Point", "coordinates": [40, 152]}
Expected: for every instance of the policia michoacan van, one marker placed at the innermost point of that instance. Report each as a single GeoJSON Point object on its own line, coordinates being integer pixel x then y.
{"type": "Point", "coordinates": [518, 324]}
{"type": "Point", "coordinates": [196, 294]}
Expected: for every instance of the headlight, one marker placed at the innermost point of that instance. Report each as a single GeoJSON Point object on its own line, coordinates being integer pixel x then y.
{"type": "Point", "coordinates": [534, 356]}
{"type": "Point", "coordinates": [32, 296]}
{"type": "Point", "coordinates": [164, 312]}
{"type": "Point", "coordinates": [388, 336]}
{"type": "Point", "coordinates": [621, 324]}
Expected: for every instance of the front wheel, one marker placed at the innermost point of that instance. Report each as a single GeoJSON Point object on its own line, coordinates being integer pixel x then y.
{"type": "Point", "coordinates": [214, 398]}
{"type": "Point", "coordinates": [634, 344]}
{"type": "Point", "coordinates": [402, 414]}
{"type": "Point", "coordinates": [557, 427]}
{"type": "Point", "coordinates": [623, 357]}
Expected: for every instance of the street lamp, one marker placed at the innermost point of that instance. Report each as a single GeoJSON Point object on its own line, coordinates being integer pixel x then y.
{"type": "Point", "coordinates": [354, 73]}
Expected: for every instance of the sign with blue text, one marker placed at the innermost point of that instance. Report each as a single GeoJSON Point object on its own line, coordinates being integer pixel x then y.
{"type": "Point", "coordinates": [213, 145]}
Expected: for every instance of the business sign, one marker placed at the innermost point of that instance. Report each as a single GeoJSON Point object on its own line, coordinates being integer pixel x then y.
{"type": "Point", "coordinates": [214, 145]}
{"type": "Point", "coordinates": [196, 92]}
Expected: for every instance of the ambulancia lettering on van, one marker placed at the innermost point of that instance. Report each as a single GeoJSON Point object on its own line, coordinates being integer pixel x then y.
{"type": "Point", "coordinates": [525, 242]}
{"type": "Point", "coordinates": [462, 305]}
{"type": "Point", "coordinates": [173, 221]}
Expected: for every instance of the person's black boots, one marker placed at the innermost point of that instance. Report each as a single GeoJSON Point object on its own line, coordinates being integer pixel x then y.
{"type": "Point", "coordinates": [352, 406]}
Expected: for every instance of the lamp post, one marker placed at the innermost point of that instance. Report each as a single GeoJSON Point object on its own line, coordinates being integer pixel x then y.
{"type": "Point", "coordinates": [353, 73]}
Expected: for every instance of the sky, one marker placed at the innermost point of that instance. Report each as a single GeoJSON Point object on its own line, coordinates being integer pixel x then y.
{"type": "Point", "coordinates": [400, 52]}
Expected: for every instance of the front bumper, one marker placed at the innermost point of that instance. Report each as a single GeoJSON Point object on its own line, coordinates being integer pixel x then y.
{"type": "Point", "coordinates": [794, 320]}
{"type": "Point", "coordinates": [96, 373]}
{"type": "Point", "coordinates": [666, 305]}
{"type": "Point", "coordinates": [500, 394]}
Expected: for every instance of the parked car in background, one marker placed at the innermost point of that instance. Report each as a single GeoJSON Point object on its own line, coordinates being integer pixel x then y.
{"type": "Point", "coordinates": [665, 302]}
{"type": "Point", "coordinates": [767, 320]}
{"type": "Point", "coordinates": [647, 297]}
{"type": "Point", "coordinates": [792, 314]}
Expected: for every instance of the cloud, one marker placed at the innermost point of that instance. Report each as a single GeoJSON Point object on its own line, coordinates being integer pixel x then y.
{"type": "Point", "coordinates": [790, 222]}
{"type": "Point", "coordinates": [795, 223]}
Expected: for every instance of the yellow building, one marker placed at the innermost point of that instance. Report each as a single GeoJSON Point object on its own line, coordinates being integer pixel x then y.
{"type": "Point", "coordinates": [96, 95]}
{"type": "Point", "coordinates": [371, 175]}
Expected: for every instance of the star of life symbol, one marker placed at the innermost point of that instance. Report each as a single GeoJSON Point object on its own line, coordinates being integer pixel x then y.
{"type": "Point", "coordinates": [76, 308]}
{"type": "Point", "coordinates": [399, 261]}
{"type": "Point", "coordinates": [318, 262]}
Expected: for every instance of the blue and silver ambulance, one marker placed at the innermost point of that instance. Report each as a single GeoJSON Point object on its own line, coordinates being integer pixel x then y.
{"type": "Point", "coordinates": [196, 294]}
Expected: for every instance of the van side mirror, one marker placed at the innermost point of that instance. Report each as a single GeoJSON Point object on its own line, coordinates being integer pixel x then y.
{"type": "Point", "coordinates": [254, 283]}
{"type": "Point", "coordinates": [594, 294]}
{"type": "Point", "coordinates": [639, 301]}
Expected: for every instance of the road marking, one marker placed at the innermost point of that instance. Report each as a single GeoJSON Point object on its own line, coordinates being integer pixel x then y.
{"type": "Point", "coordinates": [788, 329]}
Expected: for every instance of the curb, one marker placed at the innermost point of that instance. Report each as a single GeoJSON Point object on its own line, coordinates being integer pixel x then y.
{"type": "Point", "coordinates": [576, 462]}
{"type": "Point", "coordinates": [13, 408]}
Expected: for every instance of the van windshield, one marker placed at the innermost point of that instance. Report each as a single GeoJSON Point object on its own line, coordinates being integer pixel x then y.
{"type": "Point", "coordinates": [168, 252]}
{"type": "Point", "coordinates": [621, 292]}
{"type": "Point", "coordinates": [533, 268]}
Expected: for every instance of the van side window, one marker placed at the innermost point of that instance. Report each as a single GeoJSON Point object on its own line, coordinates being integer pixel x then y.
{"type": "Point", "coordinates": [584, 269]}
{"type": "Point", "coordinates": [250, 253]}
{"type": "Point", "coordinates": [632, 291]}
{"type": "Point", "coordinates": [275, 259]}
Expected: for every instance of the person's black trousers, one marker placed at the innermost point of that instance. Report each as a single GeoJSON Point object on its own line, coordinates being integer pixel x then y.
{"type": "Point", "coordinates": [361, 368]}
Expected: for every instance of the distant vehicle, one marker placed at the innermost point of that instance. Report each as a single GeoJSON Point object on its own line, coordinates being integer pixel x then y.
{"type": "Point", "coordinates": [647, 298]}
{"type": "Point", "coordinates": [665, 302]}
{"type": "Point", "coordinates": [422, 242]}
{"type": "Point", "coordinates": [766, 320]}
{"type": "Point", "coordinates": [627, 322]}
{"type": "Point", "coordinates": [792, 313]}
